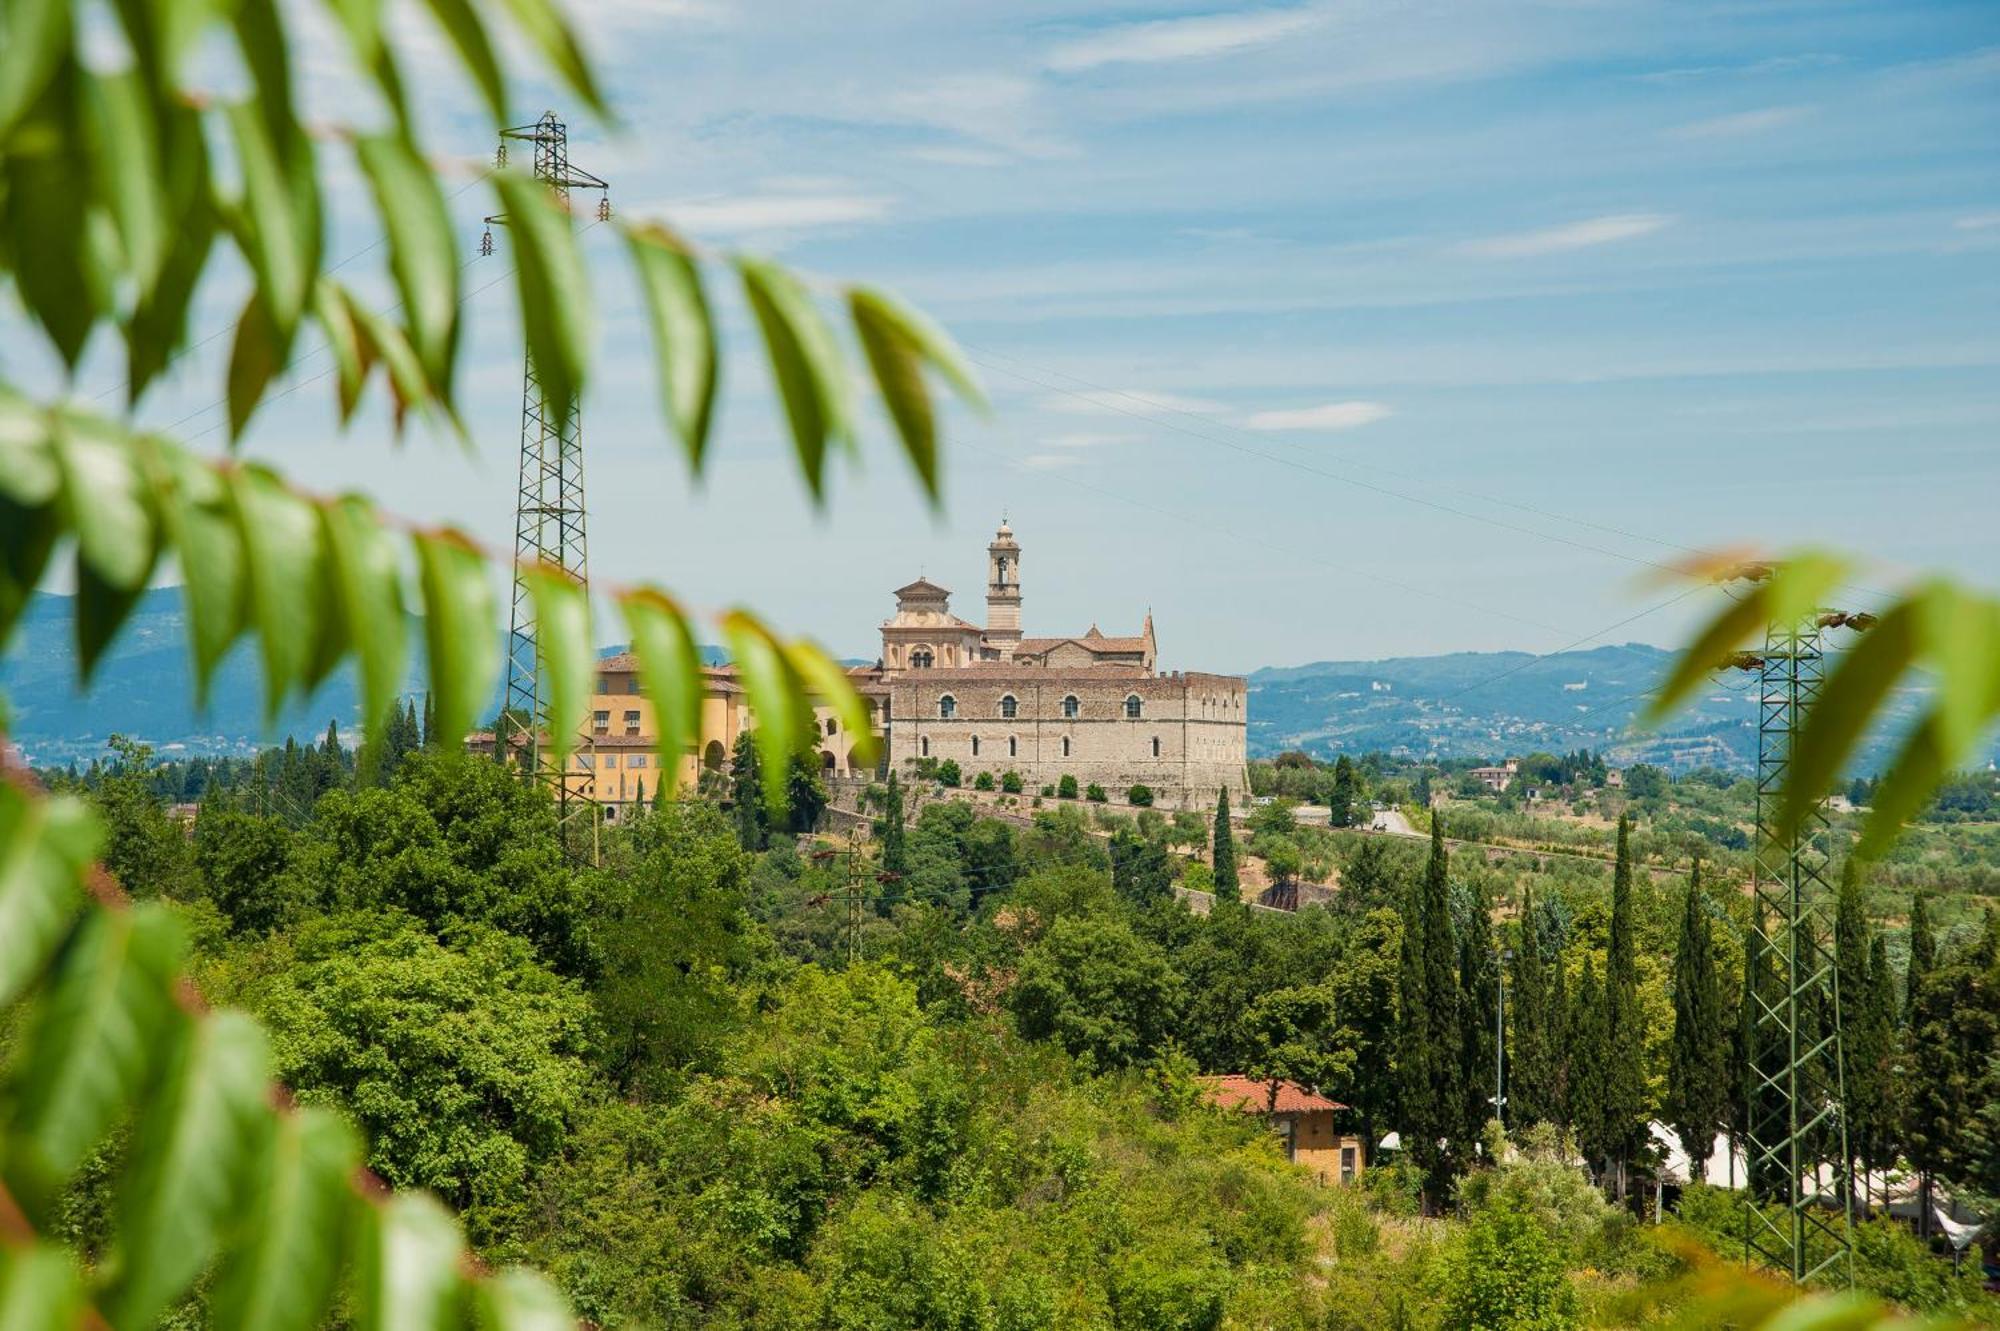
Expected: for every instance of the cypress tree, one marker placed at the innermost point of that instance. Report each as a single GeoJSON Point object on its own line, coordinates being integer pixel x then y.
{"type": "Point", "coordinates": [1624, 1093]}
{"type": "Point", "coordinates": [746, 790]}
{"type": "Point", "coordinates": [1340, 799]}
{"type": "Point", "coordinates": [1871, 1063]}
{"type": "Point", "coordinates": [895, 851]}
{"type": "Point", "coordinates": [1530, 1089]}
{"type": "Point", "coordinates": [1556, 1037]}
{"type": "Point", "coordinates": [1432, 1091]}
{"type": "Point", "coordinates": [1697, 1063]}
{"type": "Point", "coordinates": [1588, 1032]}
{"type": "Point", "coordinates": [1850, 964]}
{"type": "Point", "coordinates": [1479, 997]}
{"type": "Point", "coordinates": [1923, 954]}
{"type": "Point", "coordinates": [1227, 887]}
{"type": "Point", "coordinates": [428, 736]}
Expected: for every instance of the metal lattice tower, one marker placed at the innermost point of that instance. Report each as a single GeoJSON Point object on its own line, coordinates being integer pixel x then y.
{"type": "Point", "coordinates": [549, 510]}
{"type": "Point", "coordinates": [1796, 1147]}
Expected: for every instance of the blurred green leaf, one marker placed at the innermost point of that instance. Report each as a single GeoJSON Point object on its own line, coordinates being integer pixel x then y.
{"type": "Point", "coordinates": [806, 365]}
{"type": "Point", "coordinates": [45, 846]}
{"type": "Point", "coordinates": [461, 22]}
{"type": "Point", "coordinates": [368, 598]}
{"type": "Point", "coordinates": [280, 1272]}
{"type": "Point", "coordinates": [554, 289]}
{"type": "Point", "coordinates": [776, 700]}
{"type": "Point", "coordinates": [62, 275]}
{"type": "Point", "coordinates": [683, 334]}
{"type": "Point", "coordinates": [564, 650]}
{"type": "Point", "coordinates": [422, 249]}
{"type": "Point", "coordinates": [255, 358]}
{"type": "Point", "coordinates": [546, 26]}
{"type": "Point", "coordinates": [899, 342]}
{"type": "Point", "coordinates": [105, 500]}
{"type": "Point", "coordinates": [336, 320]}
{"type": "Point", "coordinates": [200, 519]}
{"type": "Point", "coordinates": [287, 577]}
{"type": "Point", "coordinates": [38, 1286]}
{"type": "Point", "coordinates": [88, 1048]}
{"type": "Point", "coordinates": [670, 667]}
{"type": "Point", "coordinates": [34, 37]}
{"type": "Point", "coordinates": [280, 231]}
{"type": "Point", "coordinates": [829, 682]}
{"type": "Point", "coordinates": [384, 341]}
{"type": "Point", "coordinates": [459, 631]}
{"type": "Point", "coordinates": [125, 150]}
{"type": "Point", "coordinates": [520, 1300]}
{"type": "Point", "coordinates": [157, 327]}
{"type": "Point", "coordinates": [190, 1163]}
{"type": "Point", "coordinates": [406, 1275]}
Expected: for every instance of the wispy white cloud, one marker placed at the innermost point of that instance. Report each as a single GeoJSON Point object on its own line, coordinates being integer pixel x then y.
{"type": "Point", "coordinates": [776, 207]}
{"type": "Point", "coordinates": [1050, 461]}
{"type": "Point", "coordinates": [1081, 439]}
{"type": "Point", "coordinates": [1978, 222]}
{"type": "Point", "coordinates": [1194, 38]}
{"type": "Point", "coordinates": [1130, 401]}
{"type": "Point", "coordinates": [1331, 416]}
{"type": "Point", "coordinates": [994, 111]}
{"type": "Point", "coordinates": [1741, 123]}
{"type": "Point", "coordinates": [1777, 64]}
{"type": "Point", "coordinates": [1575, 236]}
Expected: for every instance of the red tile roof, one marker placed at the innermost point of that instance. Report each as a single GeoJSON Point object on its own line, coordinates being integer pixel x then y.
{"type": "Point", "coordinates": [1252, 1095]}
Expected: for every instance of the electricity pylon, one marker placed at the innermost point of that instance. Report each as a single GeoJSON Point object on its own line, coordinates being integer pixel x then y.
{"type": "Point", "coordinates": [549, 525]}
{"type": "Point", "coordinates": [1796, 1145]}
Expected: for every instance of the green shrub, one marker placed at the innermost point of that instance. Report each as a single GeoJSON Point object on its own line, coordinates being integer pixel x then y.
{"type": "Point", "coordinates": [1066, 787]}
{"type": "Point", "coordinates": [1140, 795]}
{"type": "Point", "coordinates": [1011, 783]}
{"type": "Point", "coordinates": [948, 773]}
{"type": "Point", "coordinates": [1095, 793]}
{"type": "Point", "coordinates": [1049, 792]}
{"type": "Point", "coordinates": [1505, 1273]}
{"type": "Point", "coordinates": [984, 781]}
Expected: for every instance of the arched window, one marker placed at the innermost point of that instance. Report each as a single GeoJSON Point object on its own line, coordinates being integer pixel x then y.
{"type": "Point", "coordinates": [1065, 746]}
{"type": "Point", "coordinates": [947, 707]}
{"type": "Point", "coordinates": [1013, 747]}
{"type": "Point", "coordinates": [1008, 707]}
{"type": "Point", "coordinates": [1156, 746]}
{"type": "Point", "coordinates": [1133, 708]}
{"type": "Point", "coordinates": [975, 746]}
{"type": "Point", "coordinates": [832, 725]}
{"type": "Point", "coordinates": [1071, 706]}
{"type": "Point", "coordinates": [924, 746]}
{"type": "Point", "coordinates": [921, 659]}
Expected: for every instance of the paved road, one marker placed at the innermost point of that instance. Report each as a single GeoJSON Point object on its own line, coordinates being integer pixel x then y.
{"type": "Point", "coordinates": [1393, 821]}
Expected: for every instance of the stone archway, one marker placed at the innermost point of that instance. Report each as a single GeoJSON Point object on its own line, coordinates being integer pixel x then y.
{"type": "Point", "coordinates": [713, 756]}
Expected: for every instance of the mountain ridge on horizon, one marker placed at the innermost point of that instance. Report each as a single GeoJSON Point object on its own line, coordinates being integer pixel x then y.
{"type": "Point", "coordinates": [1448, 705]}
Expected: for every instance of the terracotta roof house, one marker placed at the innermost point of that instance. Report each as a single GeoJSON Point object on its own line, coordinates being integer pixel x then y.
{"type": "Point", "coordinates": [1303, 1120]}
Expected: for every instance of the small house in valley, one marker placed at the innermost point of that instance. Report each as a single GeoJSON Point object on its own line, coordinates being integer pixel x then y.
{"type": "Point", "coordinates": [1303, 1120]}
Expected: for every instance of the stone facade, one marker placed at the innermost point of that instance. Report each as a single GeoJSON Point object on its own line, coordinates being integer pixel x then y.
{"type": "Point", "coordinates": [1090, 706]}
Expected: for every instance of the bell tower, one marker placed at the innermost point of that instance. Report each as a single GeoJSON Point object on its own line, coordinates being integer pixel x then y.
{"type": "Point", "coordinates": [1003, 592]}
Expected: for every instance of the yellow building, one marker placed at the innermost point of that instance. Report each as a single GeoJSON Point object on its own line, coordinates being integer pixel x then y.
{"type": "Point", "coordinates": [614, 762]}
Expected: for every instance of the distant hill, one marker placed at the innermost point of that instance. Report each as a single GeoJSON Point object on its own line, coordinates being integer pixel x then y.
{"type": "Point", "coordinates": [1465, 704]}
{"type": "Point", "coordinates": [145, 688]}
{"type": "Point", "coordinates": [1491, 704]}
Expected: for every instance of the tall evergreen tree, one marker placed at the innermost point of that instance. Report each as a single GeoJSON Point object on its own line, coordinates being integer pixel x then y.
{"type": "Point", "coordinates": [1227, 886]}
{"type": "Point", "coordinates": [1432, 1092]}
{"type": "Point", "coordinates": [1557, 1037]}
{"type": "Point", "coordinates": [1479, 999]}
{"type": "Point", "coordinates": [1871, 1062]}
{"type": "Point", "coordinates": [895, 846]}
{"type": "Point", "coordinates": [1624, 1093]}
{"type": "Point", "coordinates": [1589, 1032]}
{"type": "Point", "coordinates": [1340, 798]}
{"type": "Point", "coordinates": [746, 791]}
{"type": "Point", "coordinates": [1698, 1060]}
{"type": "Point", "coordinates": [428, 736]}
{"type": "Point", "coordinates": [1850, 964]}
{"type": "Point", "coordinates": [1530, 1079]}
{"type": "Point", "coordinates": [1923, 953]}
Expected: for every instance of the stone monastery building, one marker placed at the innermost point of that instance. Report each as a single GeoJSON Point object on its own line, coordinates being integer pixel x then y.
{"type": "Point", "coordinates": [991, 699]}
{"type": "Point", "coordinates": [1089, 705]}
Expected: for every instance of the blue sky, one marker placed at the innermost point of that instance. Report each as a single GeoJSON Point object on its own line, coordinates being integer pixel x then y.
{"type": "Point", "coordinates": [1324, 330]}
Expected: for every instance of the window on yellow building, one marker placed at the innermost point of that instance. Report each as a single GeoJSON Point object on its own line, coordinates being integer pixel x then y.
{"type": "Point", "coordinates": [631, 722]}
{"type": "Point", "coordinates": [600, 721]}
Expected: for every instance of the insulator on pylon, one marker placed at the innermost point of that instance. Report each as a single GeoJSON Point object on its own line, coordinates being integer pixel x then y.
{"type": "Point", "coordinates": [500, 155]}
{"type": "Point", "coordinates": [486, 242]}
{"type": "Point", "coordinates": [604, 208]}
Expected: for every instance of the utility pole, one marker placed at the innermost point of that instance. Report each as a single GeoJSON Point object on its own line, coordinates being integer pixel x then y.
{"type": "Point", "coordinates": [1797, 1131]}
{"type": "Point", "coordinates": [549, 510]}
